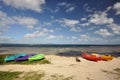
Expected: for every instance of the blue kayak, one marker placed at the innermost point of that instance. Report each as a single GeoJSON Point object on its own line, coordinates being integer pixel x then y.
{"type": "Point", "coordinates": [24, 58]}
{"type": "Point", "coordinates": [12, 58]}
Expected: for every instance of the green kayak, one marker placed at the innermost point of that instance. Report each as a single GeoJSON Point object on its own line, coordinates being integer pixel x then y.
{"type": "Point", "coordinates": [36, 57]}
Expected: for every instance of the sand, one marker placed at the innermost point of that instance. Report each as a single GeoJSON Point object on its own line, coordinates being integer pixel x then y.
{"type": "Point", "coordinates": [67, 66]}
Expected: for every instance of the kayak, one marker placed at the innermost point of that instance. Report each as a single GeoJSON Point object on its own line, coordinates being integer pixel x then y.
{"type": "Point", "coordinates": [91, 57]}
{"type": "Point", "coordinates": [95, 54]}
{"type": "Point", "coordinates": [36, 57]}
{"type": "Point", "coordinates": [106, 58]}
{"type": "Point", "coordinates": [12, 58]}
{"type": "Point", "coordinates": [24, 57]}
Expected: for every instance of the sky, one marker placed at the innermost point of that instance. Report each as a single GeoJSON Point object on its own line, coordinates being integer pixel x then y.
{"type": "Point", "coordinates": [60, 21]}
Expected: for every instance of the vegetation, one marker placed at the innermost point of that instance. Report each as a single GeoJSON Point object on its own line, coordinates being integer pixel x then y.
{"type": "Point", "coordinates": [30, 76]}
{"type": "Point", "coordinates": [43, 61]}
{"type": "Point", "coordinates": [117, 69]}
{"type": "Point", "coordinates": [8, 75]}
{"type": "Point", "coordinates": [60, 77]}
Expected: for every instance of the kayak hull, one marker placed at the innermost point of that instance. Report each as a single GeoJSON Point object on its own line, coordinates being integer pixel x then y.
{"type": "Point", "coordinates": [106, 58]}
{"type": "Point", "coordinates": [24, 58]}
{"type": "Point", "coordinates": [36, 57]}
{"type": "Point", "coordinates": [12, 58]}
{"type": "Point", "coordinates": [91, 57]}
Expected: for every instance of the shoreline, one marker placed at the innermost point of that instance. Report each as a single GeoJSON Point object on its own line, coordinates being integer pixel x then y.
{"type": "Point", "coordinates": [115, 51]}
{"type": "Point", "coordinates": [65, 63]}
{"type": "Point", "coordinates": [68, 66]}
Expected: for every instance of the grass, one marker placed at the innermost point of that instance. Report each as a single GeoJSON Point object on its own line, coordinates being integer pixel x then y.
{"type": "Point", "coordinates": [60, 77]}
{"type": "Point", "coordinates": [43, 61]}
{"type": "Point", "coordinates": [117, 69]}
{"type": "Point", "coordinates": [31, 76]}
{"type": "Point", "coordinates": [6, 75]}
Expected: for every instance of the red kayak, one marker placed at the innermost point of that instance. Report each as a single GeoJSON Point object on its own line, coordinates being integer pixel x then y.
{"type": "Point", "coordinates": [91, 57]}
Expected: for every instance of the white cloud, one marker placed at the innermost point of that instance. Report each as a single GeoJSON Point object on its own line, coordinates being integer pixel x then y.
{"type": "Point", "coordinates": [108, 8]}
{"type": "Point", "coordinates": [72, 24]}
{"type": "Point", "coordinates": [38, 33]}
{"type": "Point", "coordinates": [4, 19]}
{"type": "Point", "coordinates": [55, 37]}
{"type": "Point", "coordinates": [67, 6]}
{"type": "Point", "coordinates": [53, 10]}
{"type": "Point", "coordinates": [35, 5]}
{"type": "Point", "coordinates": [58, 29]}
{"type": "Point", "coordinates": [5, 39]}
{"type": "Point", "coordinates": [30, 26]}
{"type": "Point", "coordinates": [87, 38]}
{"type": "Point", "coordinates": [92, 28]}
{"type": "Point", "coordinates": [115, 40]}
{"type": "Point", "coordinates": [115, 28]}
{"type": "Point", "coordinates": [51, 37]}
{"type": "Point", "coordinates": [70, 9]}
{"type": "Point", "coordinates": [69, 22]}
{"type": "Point", "coordinates": [84, 37]}
{"type": "Point", "coordinates": [47, 23]}
{"type": "Point", "coordinates": [74, 37]}
{"type": "Point", "coordinates": [34, 35]}
{"type": "Point", "coordinates": [28, 22]}
{"type": "Point", "coordinates": [25, 20]}
{"type": "Point", "coordinates": [117, 8]}
{"type": "Point", "coordinates": [2, 14]}
{"type": "Point", "coordinates": [3, 29]}
{"type": "Point", "coordinates": [104, 32]}
{"type": "Point", "coordinates": [62, 4]}
{"type": "Point", "coordinates": [83, 19]}
{"type": "Point", "coordinates": [45, 30]}
{"type": "Point", "coordinates": [85, 24]}
{"type": "Point", "coordinates": [87, 8]}
{"type": "Point", "coordinates": [75, 29]}
{"type": "Point", "coordinates": [100, 18]}
{"type": "Point", "coordinates": [57, 9]}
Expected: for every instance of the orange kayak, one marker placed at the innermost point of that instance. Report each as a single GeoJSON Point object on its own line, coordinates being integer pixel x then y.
{"type": "Point", "coordinates": [106, 58]}
{"type": "Point", "coordinates": [91, 57]}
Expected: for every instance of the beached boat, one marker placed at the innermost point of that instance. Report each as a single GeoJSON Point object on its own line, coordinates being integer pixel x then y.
{"type": "Point", "coordinates": [91, 57]}
{"type": "Point", "coordinates": [106, 58]}
{"type": "Point", "coordinates": [24, 57]}
{"type": "Point", "coordinates": [12, 58]}
{"type": "Point", "coordinates": [95, 54]}
{"type": "Point", "coordinates": [36, 57]}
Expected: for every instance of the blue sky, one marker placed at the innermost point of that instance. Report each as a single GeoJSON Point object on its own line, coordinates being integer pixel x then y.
{"type": "Point", "coordinates": [60, 21]}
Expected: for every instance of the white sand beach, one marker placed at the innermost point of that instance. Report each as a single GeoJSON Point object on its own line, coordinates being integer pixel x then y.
{"type": "Point", "coordinates": [67, 66]}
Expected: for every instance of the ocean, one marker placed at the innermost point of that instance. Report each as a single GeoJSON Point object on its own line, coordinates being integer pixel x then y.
{"type": "Point", "coordinates": [60, 49]}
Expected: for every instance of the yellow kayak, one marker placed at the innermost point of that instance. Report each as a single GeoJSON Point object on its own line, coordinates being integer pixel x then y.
{"type": "Point", "coordinates": [106, 58]}
{"type": "Point", "coordinates": [103, 57]}
{"type": "Point", "coordinates": [95, 54]}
